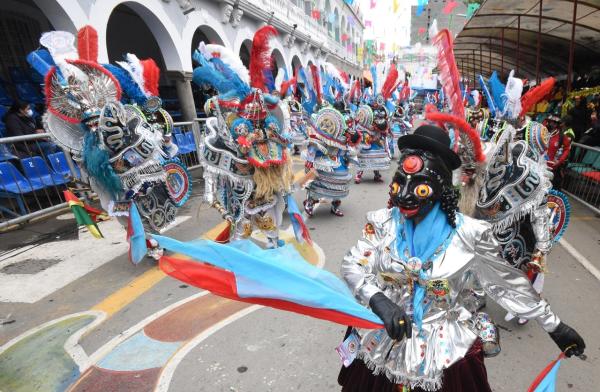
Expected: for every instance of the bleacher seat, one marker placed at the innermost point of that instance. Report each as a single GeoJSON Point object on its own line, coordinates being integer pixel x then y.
{"type": "Point", "coordinates": [18, 75]}
{"type": "Point", "coordinates": [5, 98]}
{"type": "Point", "coordinates": [5, 154]}
{"type": "Point", "coordinates": [11, 180]}
{"type": "Point", "coordinates": [36, 169]}
{"type": "Point", "coordinates": [29, 93]}
{"type": "Point", "coordinates": [190, 139]}
{"type": "Point", "coordinates": [59, 164]}
{"type": "Point", "coordinates": [182, 143]}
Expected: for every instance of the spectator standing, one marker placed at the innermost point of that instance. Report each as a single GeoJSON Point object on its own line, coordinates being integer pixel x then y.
{"type": "Point", "coordinates": [580, 115]}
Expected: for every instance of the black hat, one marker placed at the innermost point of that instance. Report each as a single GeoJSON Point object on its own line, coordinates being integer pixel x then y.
{"type": "Point", "coordinates": [433, 139]}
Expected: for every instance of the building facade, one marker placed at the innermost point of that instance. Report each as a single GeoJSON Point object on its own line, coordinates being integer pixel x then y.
{"type": "Point", "coordinates": [169, 31]}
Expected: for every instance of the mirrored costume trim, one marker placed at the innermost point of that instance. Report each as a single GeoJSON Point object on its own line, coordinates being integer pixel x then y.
{"type": "Point", "coordinates": [449, 329]}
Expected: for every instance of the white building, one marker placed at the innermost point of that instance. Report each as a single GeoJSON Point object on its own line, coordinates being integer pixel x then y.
{"type": "Point", "coordinates": [169, 31]}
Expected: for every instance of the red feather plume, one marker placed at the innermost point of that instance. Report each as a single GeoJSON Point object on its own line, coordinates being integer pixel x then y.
{"type": "Point", "coordinates": [354, 90]}
{"type": "Point", "coordinates": [536, 94]}
{"type": "Point", "coordinates": [260, 56]}
{"type": "Point", "coordinates": [151, 76]}
{"type": "Point", "coordinates": [316, 82]}
{"type": "Point", "coordinates": [464, 127]}
{"type": "Point", "coordinates": [285, 85]}
{"type": "Point", "coordinates": [390, 82]}
{"type": "Point", "coordinates": [345, 77]}
{"type": "Point", "coordinates": [87, 44]}
{"type": "Point", "coordinates": [448, 71]}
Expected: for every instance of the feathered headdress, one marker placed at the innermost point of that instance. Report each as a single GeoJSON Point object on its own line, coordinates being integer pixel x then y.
{"type": "Point", "coordinates": [260, 57]}
{"type": "Point", "coordinates": [228, 57]}
{"type": "Point", "coordinates": [314, 71]}
{"type": "Point", "coordinates": [488, 96]}
{"type": "Point", "coordinates": [512, 96]}
{"type": "Point", "coordinates": [308, 103]}
{"type": "Point", "coordinates": [497, 91]}
{"type": "Point", "coordinates": [391, 82]}
{"type": "Point", "coordinates": [536, 94]}
{"type": "Point", "coordinates": [448, 71]}
{"type": "Point", "coordinates": [463, 126]}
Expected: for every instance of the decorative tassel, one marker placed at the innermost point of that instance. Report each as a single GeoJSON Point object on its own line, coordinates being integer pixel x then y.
{"type": "Point", "coordinates": [260, 56]}
{"type": "Point", "coordinates": [82, 217]}
{"type": "Point", "coordinates": [536, 94]}
{"type": "Point", "coordinates": [87, 43]}
{"type": "Point", "coordinates": [151, 76]}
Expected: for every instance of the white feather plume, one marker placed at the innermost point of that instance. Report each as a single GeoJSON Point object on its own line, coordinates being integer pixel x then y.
{"type": "Point", "coordinates": [61, 45]}
{"type": "Point", "coordinates": [512, 95]}
{"type": "Point", "coordinates": [134, 67]}
{"type": "Point", "coordinates": [228, 57]}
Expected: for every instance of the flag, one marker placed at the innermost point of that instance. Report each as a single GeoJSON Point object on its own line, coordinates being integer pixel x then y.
{"type": "Point", "coordinates": [449, 7]}
{"type": "Point", "coordinates": [373, 4]}
{"type": "Point", "coordinates": [316, 14]}
{"type": "Point", "coordinates": [546, 380]}
{"type": "Point", "coordinates": [421, 4]}
{"type": "Point", "coordinates": [82, 216]}
{"type": "Point", "coordinates": [300, 230]}
{"type": "Point", "coordinates": [471, 8]}
{"type": "Point", "coordinates": [279, 278]}
{"type": "Point", "coordinates": [395, 6]}
{"type": "Point", "coordinates": [368, 23]}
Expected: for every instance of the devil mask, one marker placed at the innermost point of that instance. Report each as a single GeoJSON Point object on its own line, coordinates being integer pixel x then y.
{"type": "Point", "coordinates": [424, 174]}
{"type": "Point", "coordinates": [419, 182]}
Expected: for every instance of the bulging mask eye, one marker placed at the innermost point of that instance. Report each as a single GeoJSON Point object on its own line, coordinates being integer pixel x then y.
{"type": "Point", "coordinates": [394, 188]}
{"type": "Point", "coordinates": [423, 191]}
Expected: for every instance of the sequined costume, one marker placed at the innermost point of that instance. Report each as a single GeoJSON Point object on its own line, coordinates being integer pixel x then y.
{"type": "Point", "coordinates": [245, 156]}
{"type": "Point", "coordinates": [124, 156]}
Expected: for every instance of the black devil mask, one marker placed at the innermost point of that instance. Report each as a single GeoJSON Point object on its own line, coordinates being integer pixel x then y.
{"type": "Point", "coordinates": [424, 174]}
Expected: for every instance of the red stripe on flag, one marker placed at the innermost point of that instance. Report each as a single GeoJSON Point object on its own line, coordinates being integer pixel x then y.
{"type": "Point", "coordinates": [221, 282]}
{"type": "Point", "coordinates": [544, 373]}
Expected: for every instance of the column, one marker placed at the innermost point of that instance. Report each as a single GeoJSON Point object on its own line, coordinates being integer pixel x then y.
{"type": "Point", "coordinates": [183, 85]}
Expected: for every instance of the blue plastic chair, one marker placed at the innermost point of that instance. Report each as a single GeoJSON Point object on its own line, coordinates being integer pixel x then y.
{"type": "Point", "coordinates": [182, 143]}
{"type": "Point", "coordinates": [28, 93]}
{"type": "Point", "coordinates": [36, 169]}
{"type": "Point", "coordinates": [190, 140]}
{"type": "Point", "coordinates": [59, 164]}
{"type": "Point", "coordinates": [5, 154]}
{"type": "Point", "coordinates": [5, 98]}
{"type": "Point", "coordinates": [11, 180]}
{"type": "Point", "coordinates": [18, 74]}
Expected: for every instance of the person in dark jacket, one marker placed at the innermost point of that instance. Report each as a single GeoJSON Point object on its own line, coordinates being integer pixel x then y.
{"type": "Point", "coordinates": [19, 121]}
{"type": "Point", "coordinates": [581, 117]}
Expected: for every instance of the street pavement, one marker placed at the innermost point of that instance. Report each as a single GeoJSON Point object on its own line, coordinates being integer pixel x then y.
{"type": "Point", "coordinates": [98, 323]}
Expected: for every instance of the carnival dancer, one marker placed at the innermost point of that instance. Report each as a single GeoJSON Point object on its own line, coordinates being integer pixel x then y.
{"type": "Point", "coordinates": [372, 120]}
{"type": "Point", "coordinates": [411, 266]}
{"type": "Point", "coordinates": [245, 156]}
{"type": "Point", "coordinates": [122, 155]}
{"type": "Point", "coordinates": [332, 139]}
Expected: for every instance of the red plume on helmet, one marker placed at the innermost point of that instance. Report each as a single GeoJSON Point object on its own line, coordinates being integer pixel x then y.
{"type": "Point", "coordinates": [536, 94]}
{"type": "Point", "coordinates": [316, 82]}
{"type": "Point", "coordinates": [390, 82]}
{"type": "Point", "coordinates": [463, 126]}
{"type": "Point", "coordinates": [151, 76]}
{"type": "Point", "coordinates": [87, 44]}
{"type": "Point", "coordinates": [260, 56]}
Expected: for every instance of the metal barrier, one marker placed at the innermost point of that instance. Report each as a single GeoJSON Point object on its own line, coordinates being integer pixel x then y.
{"type": "Point", "coordinates": [33, 173]}
{"type": "Point", "coordinates": [188, 137]}
{"type": "Point", "coordinates": [581, 176]}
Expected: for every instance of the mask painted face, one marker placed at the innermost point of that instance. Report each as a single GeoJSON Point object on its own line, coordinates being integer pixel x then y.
{"type": "Point", "coordinates": [418, 183]}
{"type": "Point", "coordinates": [380, 120]}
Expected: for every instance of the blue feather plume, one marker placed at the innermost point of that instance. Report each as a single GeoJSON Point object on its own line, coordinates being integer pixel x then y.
{"type": "Point", "coordinates": [240, 89]}
{"type": "Point", "coordinates": [497, 91]}
{"type": "Point", "coordinates": [269, 80]}
{"type": "Point", "coordinates": [95, 160]}
{"type": "Point", "coordinates": [488, 96]}
{"type": "Point", "coordinates": [328, 87]}
{"type": "Point", "coordinates": [41, 60]}
{"type": "Point", "coordinates": [131, 89]}
{"type": "Point", "coordinates": [374, 76]}
{"type": "Point", "coordinates": [207, 74]}
{"type": "Point", "coordinates": [308, 104]}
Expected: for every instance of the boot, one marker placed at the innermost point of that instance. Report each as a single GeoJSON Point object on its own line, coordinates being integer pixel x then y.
{"type": "Point", "coordinates": [358, 178]}
{"type": "Point", "coordinates": [377, 177]}
{"type": "Point", "coordinates": [335, 208]}
{"type": "Point", "coordinates": [309, 205]}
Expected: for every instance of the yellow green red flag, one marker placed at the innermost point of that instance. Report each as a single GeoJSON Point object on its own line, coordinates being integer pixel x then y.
{"type": "Point", "coordinates": [81, 216]}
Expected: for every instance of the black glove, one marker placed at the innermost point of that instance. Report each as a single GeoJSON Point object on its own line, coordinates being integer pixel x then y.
{"type": "Point", "coordinates": [396, 322]}
{"type": "Point", "coordinates": [568, 340]}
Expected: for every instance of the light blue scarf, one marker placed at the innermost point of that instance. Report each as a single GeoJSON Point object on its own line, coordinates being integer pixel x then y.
{"type": "Point", "coordinates": [422, 241]}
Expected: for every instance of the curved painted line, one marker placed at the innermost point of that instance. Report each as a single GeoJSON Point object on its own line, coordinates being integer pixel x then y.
{"type": "Point", "coordinates": [168, 371]}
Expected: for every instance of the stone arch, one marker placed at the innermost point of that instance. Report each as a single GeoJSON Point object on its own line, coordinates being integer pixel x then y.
{"type": "Point", "coordinates": [244, 52]}
{"type": "Point", "coordinates": [152, 13]}
{"type": "Point", "coordinates": [278, 62]}
{"type": "Point", "coordinates": [206, 34]}
{"type": "Point", "coordinates": [295, 64]}
{"type": "Point", "coordinates": [63, 15]}
{"type": "Point", "coordinates": [326, 22]}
